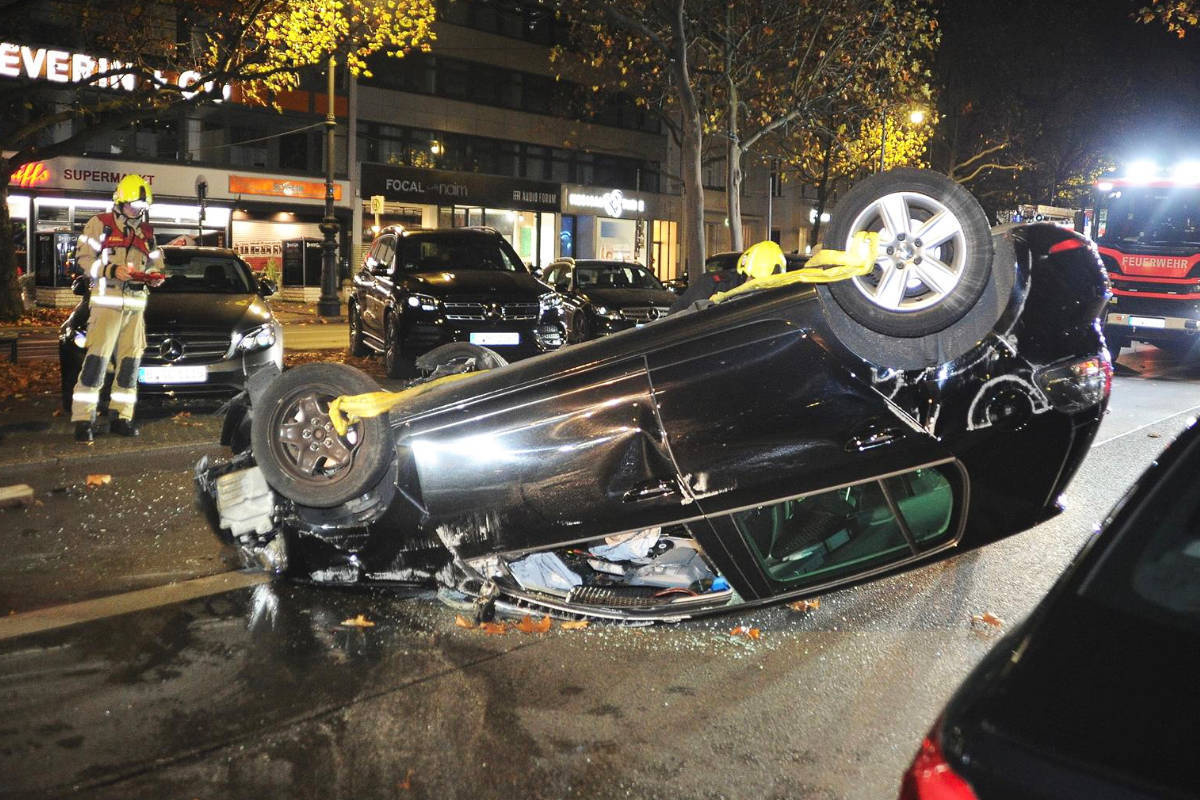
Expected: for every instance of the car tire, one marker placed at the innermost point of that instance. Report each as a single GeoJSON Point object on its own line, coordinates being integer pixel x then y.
{"type": "Point", "coordinates": [69, 365]}
{"type": "Point", "coordinates": [579, 327]}
{"type": "Point", "coordinates": [935, 252]}
{"type": "Point", "coordinates": [292, 416]}
{"type": "Point", "coordinates": [358, 347]}
{"type": "Point", "coordinates": [395, 362]}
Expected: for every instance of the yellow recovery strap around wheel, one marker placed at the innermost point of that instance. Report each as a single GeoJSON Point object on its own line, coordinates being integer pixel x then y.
{"type": "Point", "coordinates": [825, 266]}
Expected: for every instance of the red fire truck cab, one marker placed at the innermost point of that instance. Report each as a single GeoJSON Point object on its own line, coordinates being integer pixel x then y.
{"type": "Point", "coordinates": [1148, 232]}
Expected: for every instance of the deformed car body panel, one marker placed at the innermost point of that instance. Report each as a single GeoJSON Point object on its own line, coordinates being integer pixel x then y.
{"type": "Point", "coordinates": [750, 429]}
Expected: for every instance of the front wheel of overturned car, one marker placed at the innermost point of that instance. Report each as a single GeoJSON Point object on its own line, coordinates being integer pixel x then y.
{"type": "Point", "coordinates": [299, 451]}
{"type": "Point", "coordinates": [935, 252]}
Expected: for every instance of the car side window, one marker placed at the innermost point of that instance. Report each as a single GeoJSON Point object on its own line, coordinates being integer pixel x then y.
{"type": "Point", "coordinates": [834, 534]}
{"type": "Point", "coordinates": [381, 255]}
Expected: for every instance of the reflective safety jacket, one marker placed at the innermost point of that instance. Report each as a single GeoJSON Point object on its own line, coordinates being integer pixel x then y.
{"type": "Point", "coordinates": [110, 240]}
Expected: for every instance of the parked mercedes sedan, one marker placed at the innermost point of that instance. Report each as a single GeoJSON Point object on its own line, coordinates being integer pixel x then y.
{"type": "Point", "coordinates": [778, 443]}
{"type": "Point", "coordinates": [607, 296]}
{"type": "Point", "coordinates": [1095, 694]}
{"type": "Point", "coordinates": [207, 327]}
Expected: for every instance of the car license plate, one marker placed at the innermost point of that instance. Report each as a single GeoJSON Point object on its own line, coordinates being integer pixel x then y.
{"type": "Point", "coordinates": [172, 374]}
{"type": "Point", "coordinates": [496, 337]}
{"type": "Point", "coordinates": [1148, 322]}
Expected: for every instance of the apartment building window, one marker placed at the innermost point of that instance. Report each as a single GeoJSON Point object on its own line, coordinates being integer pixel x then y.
{"type": "Point", "coordinates": [530, 22]}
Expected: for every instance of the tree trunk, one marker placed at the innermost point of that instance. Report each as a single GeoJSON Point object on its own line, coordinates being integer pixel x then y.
{"type": "Point", "coordinates": [733, 190]}
{"type": "Point", "coordinates": [822, 195]}
{"type": "Point", "coordinates": [693, 140]}
{"type": "Point", "coordinates": [11, 306]}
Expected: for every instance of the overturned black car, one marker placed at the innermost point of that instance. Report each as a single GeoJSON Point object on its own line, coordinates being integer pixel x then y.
{"type": "Point", "coordinates": [776, 444]}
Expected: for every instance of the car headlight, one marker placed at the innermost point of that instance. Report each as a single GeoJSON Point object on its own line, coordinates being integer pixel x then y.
{"type": "Point", "coordinates": [608, 313]}
{"type": "Point", "coordinates": [422, 301]}
{"type": "Point", "coordinates": [259, 338]}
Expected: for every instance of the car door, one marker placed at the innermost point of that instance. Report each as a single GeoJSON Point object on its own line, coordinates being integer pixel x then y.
{"type": "Point", "coordinates": [757, 412]}
{"type": "Point", "coordinates": [377, 285]}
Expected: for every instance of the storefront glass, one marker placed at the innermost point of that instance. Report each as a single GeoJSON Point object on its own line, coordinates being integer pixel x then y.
{"type": "Point", "coordinates": [616, 239]}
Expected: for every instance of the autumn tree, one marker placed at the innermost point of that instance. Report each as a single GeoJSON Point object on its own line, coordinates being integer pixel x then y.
{"type": "Point", "coordinates": [805, 68]}
{"type": "Point", "coordinates": [136, 57]}
{"type": "Point", "coordinates": [648, 49]}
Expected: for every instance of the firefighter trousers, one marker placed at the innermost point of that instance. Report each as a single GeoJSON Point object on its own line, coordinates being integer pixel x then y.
{"type": "Point", "coordinates": [118, 332]}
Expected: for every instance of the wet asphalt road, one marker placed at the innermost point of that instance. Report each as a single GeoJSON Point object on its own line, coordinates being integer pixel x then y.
{"type": "Point", "coordinates": [263, 691]}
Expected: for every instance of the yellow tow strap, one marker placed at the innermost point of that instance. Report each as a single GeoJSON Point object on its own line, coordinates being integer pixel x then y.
{"type": "Point", "coordinates": [344, 411]}
{"type": "Point", "coordinates": [825, 266]}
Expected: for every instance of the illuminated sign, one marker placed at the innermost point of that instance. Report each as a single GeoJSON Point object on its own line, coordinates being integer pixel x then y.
{"type": "Point", "coordinates": [278, 187]}
{"type": "Point", "coordinates": [31, 174]}
{"type": "Point", "coordinates": [613, 203]}
{"type": "Point", "coordinates": [60, 66]}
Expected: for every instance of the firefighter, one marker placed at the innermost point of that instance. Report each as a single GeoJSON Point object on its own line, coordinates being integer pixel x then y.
{"type": "Point", "coordinates": [111, 248]}
{"type": "Point", "coordinates": [757, 261]}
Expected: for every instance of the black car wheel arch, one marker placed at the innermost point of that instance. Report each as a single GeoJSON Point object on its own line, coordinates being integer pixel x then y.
{"type": "Point", "coordinates": [358, 347]}
{"type": "Point", "coordinates": [936, 253]}
{"type": "Point", "coordinates": [300, 453]}
{"type": "Point", "coordinates": [395, 362]}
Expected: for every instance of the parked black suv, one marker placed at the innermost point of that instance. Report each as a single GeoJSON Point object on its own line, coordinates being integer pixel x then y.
{"type": "Point", "coordinates": [420, 289]}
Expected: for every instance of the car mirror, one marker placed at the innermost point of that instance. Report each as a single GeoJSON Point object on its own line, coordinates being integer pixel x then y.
{"type": "Point", "coordinates": [81, 286]}
{"type": "Point", "coordinates": [267, 287]}
{"type": "Point", "coordinates": [538, 272]}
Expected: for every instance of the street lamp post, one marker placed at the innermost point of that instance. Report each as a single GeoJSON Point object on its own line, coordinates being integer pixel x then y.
{"type": "Point", "coordinates": [329, 305]}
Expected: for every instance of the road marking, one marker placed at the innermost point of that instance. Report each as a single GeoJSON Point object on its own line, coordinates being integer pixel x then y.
{"type": "Point", "coordinates": [1191, 410]}
{"type": "Point", "coordinates": [47, 619]}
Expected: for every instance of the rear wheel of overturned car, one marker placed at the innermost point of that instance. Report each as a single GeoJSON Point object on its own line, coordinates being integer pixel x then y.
{"type": "Point", "coordinates": [934, 262]}
{"type": "Point", "coordinates": [299, 451]}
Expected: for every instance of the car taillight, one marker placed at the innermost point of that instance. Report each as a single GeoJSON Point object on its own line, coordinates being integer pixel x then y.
{"type": "Point", "coordinates": [1078, 383]}
{"type": "Point", "coordinates": [1066, 244]}
{"type": "Point", "coordinates": [931, 778]}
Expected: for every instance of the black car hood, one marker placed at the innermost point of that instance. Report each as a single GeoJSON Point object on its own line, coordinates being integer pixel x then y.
{"type": "Point", "coordinates": [475, 281]}
{"type": "Point", "coordinates": [231, 312]}
{"type": "Point", "coordinates": [622, 298]}
{"type": "Point", "coordinates": [1102, 690]}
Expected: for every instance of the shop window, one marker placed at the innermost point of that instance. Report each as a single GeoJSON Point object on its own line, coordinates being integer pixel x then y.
{"type": "Point", "coordinates": [294, 151]}
{"type": "Point", "coordinates": [852, 529]}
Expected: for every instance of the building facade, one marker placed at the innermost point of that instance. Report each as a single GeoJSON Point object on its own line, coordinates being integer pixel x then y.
{"type": "Point", "coordinates": [477, 132]}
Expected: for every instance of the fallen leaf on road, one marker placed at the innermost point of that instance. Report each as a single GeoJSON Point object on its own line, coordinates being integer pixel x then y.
{"type": "Point", "coordinates": [749, 633]}
{"type": "Point", "coordinates": [574, 625]}
{"type": "Point", "coordinates": [1154, 435]}
{"type": "Point", "coordinates": [359, 622]}
{"type": "Point", "coordinates": [805, 605]}
{"type": "Point", "coordinates": [494, 628]}
{"type": "Point", "coordinates": [405, 784]}
{"type": "Point", "coordinates": [527, 625]}
{"type": "Point", "coordinates": [98, 479]}
{"type": "Point", "coordinates": [986, 618]}
{"type": "Point", "coordinates": [463, 622]}
{"type": "Point", "coordinates": [58, 412]}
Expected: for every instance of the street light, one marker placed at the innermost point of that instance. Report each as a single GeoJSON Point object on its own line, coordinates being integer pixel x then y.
{"type": "Point", "coordinates": [329, 305]}
{"type": "Point", "coordinates": [915, 117]}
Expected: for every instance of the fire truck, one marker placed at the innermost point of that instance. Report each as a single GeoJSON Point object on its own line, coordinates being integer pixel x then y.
{"type": "Point", "coordinates": [1147, 229]}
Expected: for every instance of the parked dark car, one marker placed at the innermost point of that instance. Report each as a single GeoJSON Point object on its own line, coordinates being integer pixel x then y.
{"type": "Point", "coordinates": [207, 326]}
{"type": "Point", "coordinates": [766, 447]}
{"type": "Point", "coordinates": [420, 289]}
{"type": "Point", "coordinates": [1095, 694]}
{"type": "Point", "coordinates": [604, 297]}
